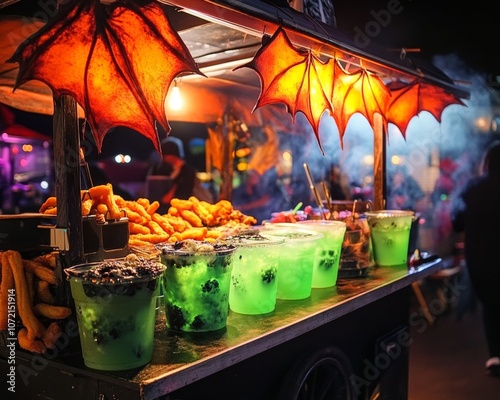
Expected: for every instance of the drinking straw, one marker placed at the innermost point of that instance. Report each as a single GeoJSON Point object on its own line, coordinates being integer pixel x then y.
{"type": "Point", "coordinates": [327, 196]}
{"type": "Point", "coordinates": [313, 190]}
{"type": "Point", "coordinates": [297, 207]}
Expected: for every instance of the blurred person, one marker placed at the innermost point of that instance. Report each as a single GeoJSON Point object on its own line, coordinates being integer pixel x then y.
{"type": "Point", "coordinates": [445, 183]}
{"type": "Point", "coordinates": [337, 184]}
{"type": "Point", "coordinates": [178, 178]}
{"type": "Point", "coordinates": [472, 216]}
{"type": "Point", "coordinates": [442, 230]}
{"type": "Point", "coordinates": [404, 192]}
{"type": "Point", "coordinates": [262, 192]}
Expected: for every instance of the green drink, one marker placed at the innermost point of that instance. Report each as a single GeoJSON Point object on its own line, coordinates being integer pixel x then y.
{"type": "Point", "coordinates": [115, 307]}
{"type": "Point", "coordinates": [254, 276]}
{"type": "Point", "coordinates": [328, 250]}
{"type": "Point", "coordinates": [296, 261]}
{"type": "Point", "coordinates": [390, 235]}
{"type": "Point", "coordinates": [196, 285]}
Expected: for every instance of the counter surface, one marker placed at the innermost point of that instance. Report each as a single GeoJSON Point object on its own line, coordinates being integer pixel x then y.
{"type": "Point", "coordinates": [181, 359]}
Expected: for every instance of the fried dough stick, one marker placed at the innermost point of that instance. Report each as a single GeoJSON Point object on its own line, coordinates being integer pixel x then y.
{"type": "Point", "coordinates": [34, 327]}
{"type": "Point", "coordinates": [43, 273]}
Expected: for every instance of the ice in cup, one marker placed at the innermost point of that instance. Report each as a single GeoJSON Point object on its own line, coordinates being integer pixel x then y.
{"type": "Point", "coordinates": [196, 285]}
{"type": "Point", "coordinates": [254, 276]}
{"type": "Point", "coordinates": [390, 235]}
{"type": "Point", "coordinates": [115, 306]}
{"type": "Point", "coordinates": [328, 250]}
{"type": "Point", "coordinates": [296, 260]}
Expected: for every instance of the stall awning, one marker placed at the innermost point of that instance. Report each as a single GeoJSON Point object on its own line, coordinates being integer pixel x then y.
{"type": "Point", "coordinates": [222, 35]}
{"type": "Point", "coordinates": [254, 18]}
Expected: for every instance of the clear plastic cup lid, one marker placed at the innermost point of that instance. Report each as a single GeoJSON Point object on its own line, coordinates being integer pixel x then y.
{"type": "Point", "coordinates": [294, 234]}
{"type": "Point", "coordinates": [389, 213]}
{"type": "Point", "coordinates": [254, 240]}
{"type": "Point", "coordinates": [324, 224]}
{"type": "Point", "coordinates": [194, 247]}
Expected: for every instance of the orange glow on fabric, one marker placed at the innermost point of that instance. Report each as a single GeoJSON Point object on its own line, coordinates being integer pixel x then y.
{"type": "Point", "coordinates": [298, 79]}
{"type": "Point", "coordinates": [408, 100]}
{"type": "Point", "coordinates": [117, 61]}
{"type": "Point", "coordinates": [359, 92]}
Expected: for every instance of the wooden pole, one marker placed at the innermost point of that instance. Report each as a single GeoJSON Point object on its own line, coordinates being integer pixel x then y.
{"type": "Point", "coordinates": [226, 191]}
{"type": "Point", "coordinates": [66, 140]}
{"type": "Point", "coordinates": [379, 164]}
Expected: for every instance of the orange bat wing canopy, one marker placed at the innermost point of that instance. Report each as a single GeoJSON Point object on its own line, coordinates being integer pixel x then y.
{"type": "Point", "coordinates": [298, 79]}
{"type": "Point", "coordinates": [409, 99]}
{"type": "Point", "coordinates": [358, 92]}
{"type": "Point", "coordinates": [116, 60]}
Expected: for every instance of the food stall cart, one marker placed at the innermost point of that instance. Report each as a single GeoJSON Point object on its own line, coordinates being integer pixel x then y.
{"type": "Point", "coordinates": [353, 338]}
{"type": "Point", "coordinates": [351, 341]}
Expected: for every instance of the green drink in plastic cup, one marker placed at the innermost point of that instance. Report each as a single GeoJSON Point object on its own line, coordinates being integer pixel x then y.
{"type": "Point", "coordinates": [328, 250]}
{"type": "Point", "coordinates": [115, 307]}
{"type": "Point", "coordinates": [254, 277]}
{"type": "Point", "coordinates": [196, 285]}
{"type": "Point", "coordinates": [390, 235]}
{"type": "Point", "coordinates": [296, 261]}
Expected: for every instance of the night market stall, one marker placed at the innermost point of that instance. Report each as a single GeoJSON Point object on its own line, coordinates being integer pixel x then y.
{"type": "Point", "coordinates": [114, 63]}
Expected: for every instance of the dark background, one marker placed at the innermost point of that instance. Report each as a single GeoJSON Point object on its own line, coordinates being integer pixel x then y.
{"type": "Point", "coordinates": [469, 30]}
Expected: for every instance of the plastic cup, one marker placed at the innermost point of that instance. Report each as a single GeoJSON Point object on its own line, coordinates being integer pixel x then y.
{"type": "Point", "coordinates": [254, 277]}
{"type": "Point", "coordinates": [328, 250]}
{"type": "Point", "coordinates": [115, 307]}
{"type": "Point", "coordinates": [296, 261]}
{"type": "Point", "coordinates": [196, 285]}
{"type": "Point", "coordinates": [390, 235]}
{"type": "Point", "coordinates": [357, 247]}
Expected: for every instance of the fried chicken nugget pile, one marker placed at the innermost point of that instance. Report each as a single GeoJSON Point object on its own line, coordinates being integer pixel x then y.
{"type": "Point", "coordinates": [31, 282]}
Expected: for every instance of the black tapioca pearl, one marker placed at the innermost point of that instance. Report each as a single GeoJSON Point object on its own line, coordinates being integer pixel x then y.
{"type": "Point", "coordinates": [197, 323]}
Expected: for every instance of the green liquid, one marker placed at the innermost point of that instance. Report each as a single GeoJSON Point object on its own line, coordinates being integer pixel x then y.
{"type": "Point", "coordinates": [196, 291]}
{"type": "Point", "coordinates": [254, 280]}
{"type": "Point", "coordinates": [296, 271]}
{"type": "Point", "coordinates": [116, 330]}
{"type": "Point", "coordinates": [296, 263]}
{"type": "Point", "coordinates": [328, 250]}
{"type": "Point", "coordinates": [326, 261]}
{"type": "Point", "coordinates": [390, 247]}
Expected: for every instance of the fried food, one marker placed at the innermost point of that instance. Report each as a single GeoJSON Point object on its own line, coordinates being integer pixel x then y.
{"type": "Point", "coordinates": [155, 228]}
{"type": "Point", "coordinates": [151, 209]}
{"type": "Point", "coordinates": [43, 273]}
{"type": "Point", "coordinates": [52, 333]}
{"type": "Point", "coordinates": [87, 206]}
{"type": "Point", "coordinates": [34, 327]}
{"type": "Point", "coordinates": [51, 202]}
{"type": "Point", "coordinates": [29, 343]}
{"type": "Point", "coordinates": [47, 260]}
{"type": "Point", "coordinates": [99, 200]}
{"type": "Point", "coordinates": [102, 209]}
{"type": "Point", "coordinates": [43, 292]}
{"type": "Point", "coordinates": [194, 233]}
{"type": "Point", "coordinates": [192, 218]}
{"type": "Point", "coordinates": [151, 238]}
{"type": "Point", "coordinates": [138, 228]}
{"type": "Point", "coordinates": [163, 222]}
{"type": "Point", "coordinates": [51, 311]}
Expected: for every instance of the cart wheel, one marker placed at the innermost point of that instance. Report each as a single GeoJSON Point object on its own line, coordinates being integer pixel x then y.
{"type": "Point", "coordinates": [323, 374]}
